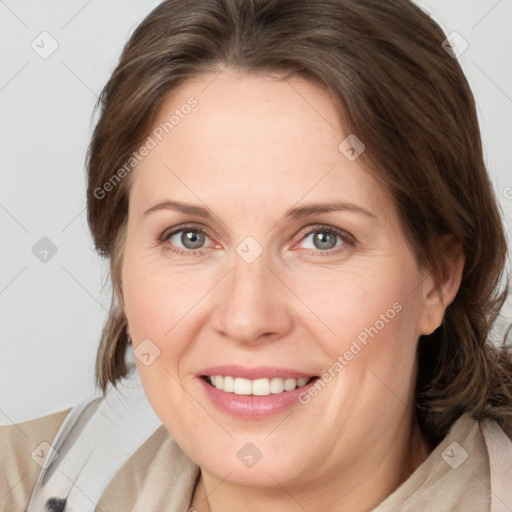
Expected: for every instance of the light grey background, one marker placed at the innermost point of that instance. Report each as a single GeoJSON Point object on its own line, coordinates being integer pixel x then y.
{"type": "Point", "coordinates": [52, 312]}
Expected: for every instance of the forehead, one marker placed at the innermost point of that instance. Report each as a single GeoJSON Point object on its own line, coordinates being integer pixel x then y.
{"type": "Point", "coordinates": [254, 139]}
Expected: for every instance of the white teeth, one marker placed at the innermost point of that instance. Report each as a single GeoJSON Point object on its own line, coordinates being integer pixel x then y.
{"type": "Point", "coordinates": [276, 385]}
{"type": "Point", "coordinates": [261, 387]}
{"type": "Point", "coordinates": [257, 387]}
{"type": "Point", "coordinates": [242, 386]}
{"type": "Point", "coordinates": [228, 384]}
{"type": "Point", "coordinates": [290, 384]}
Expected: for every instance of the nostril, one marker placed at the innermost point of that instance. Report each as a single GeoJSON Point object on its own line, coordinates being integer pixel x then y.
{"type": "Point", "coordinates": [55, 505]}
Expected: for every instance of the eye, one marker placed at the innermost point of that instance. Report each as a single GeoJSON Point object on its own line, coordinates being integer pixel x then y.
{"type": "Point", "coordinates": [326, 239]}
{"type": "Point", "coordinates": [186, 240]}
{"type": "Point", "coordinates": [191, 239]}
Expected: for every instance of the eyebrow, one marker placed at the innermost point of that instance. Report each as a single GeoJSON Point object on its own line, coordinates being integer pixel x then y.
{"type": "Point", "coordinates": [298, 212]}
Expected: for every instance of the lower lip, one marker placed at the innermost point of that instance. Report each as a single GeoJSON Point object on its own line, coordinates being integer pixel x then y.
{"type": "Point", "coordinates": [251, 406]}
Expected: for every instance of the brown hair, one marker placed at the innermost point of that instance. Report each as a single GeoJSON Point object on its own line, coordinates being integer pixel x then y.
{"type": "Point", "coordinates": [402, 94]}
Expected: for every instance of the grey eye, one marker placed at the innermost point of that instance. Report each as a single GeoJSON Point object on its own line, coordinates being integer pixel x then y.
{"type": "Point", "coordinates": [322, 240]}
{"type": "Point", "coordinates": [187, 238]}
{"type": "Point", "coordinates": [192, 239]}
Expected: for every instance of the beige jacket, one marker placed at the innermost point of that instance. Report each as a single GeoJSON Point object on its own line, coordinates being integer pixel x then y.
{"type": "Point", "coordinates": [469, 471]}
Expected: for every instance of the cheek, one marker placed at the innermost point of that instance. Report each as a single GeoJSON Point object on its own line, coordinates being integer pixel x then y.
{"type": "Point", "coordinates": [371, 331]}
{"type": "Point", "coordinates": [158, 308]}
{"type": "Point", "coordinates": [146, 306]}
{"type": "Point", "coordinates": [167, 307]}
{"type": "Point", "coordinates": [361, 305]}
{"type": "Point", "coordinates": [157, 298]}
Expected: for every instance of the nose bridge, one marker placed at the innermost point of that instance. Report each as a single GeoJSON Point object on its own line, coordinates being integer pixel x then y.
{"type": "Point", "coordinates": [252, 302]}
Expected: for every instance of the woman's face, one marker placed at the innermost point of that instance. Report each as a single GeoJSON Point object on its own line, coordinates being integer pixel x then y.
{"type": "Point", "coordinates": [262, 255]}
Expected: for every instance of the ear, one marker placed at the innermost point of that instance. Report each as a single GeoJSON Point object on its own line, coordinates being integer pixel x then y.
{"type": "Point", "coordinates": [438, 296]}
{"type": "Point", "coordinates": [120, 304]}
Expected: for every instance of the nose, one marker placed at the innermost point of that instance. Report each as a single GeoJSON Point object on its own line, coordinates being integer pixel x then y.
{"type": "Point", "coordinates": [252, 304]}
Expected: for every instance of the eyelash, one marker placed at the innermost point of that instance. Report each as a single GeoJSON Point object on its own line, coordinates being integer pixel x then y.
{"type": "Point", "coordinates": [346, 238]}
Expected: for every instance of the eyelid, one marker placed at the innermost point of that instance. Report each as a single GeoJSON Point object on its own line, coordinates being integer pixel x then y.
{"type": "Point", "coordinates": [346, 237]}
{"type": "Point", "coordinates": [319, 228]}
{"type": "Point", "coordinates": [163, 240]}
{"type": "Point", "coordinates": [183, 227]}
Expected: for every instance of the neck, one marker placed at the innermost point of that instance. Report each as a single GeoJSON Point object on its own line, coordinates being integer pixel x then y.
{"type": "Point", "coordinates": [361, 487]}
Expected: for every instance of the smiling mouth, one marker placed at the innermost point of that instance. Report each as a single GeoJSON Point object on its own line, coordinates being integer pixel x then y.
{"type": "Point", "coordinates": [256, 387]}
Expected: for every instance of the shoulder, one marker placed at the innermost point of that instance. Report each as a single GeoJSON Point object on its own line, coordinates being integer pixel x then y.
{"type": "Point", "coordinates": [24, 447]}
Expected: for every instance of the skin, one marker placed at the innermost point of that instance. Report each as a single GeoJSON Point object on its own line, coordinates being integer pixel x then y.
{"type": "Point", "coordinates": [253, 148]}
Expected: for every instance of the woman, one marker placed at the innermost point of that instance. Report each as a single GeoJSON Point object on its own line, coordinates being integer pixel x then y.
{"type": "Point", "coordinates": [306, 255]}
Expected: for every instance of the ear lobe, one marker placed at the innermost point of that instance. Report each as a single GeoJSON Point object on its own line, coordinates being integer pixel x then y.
{"type": "Point", "coordinates": [438, 296]}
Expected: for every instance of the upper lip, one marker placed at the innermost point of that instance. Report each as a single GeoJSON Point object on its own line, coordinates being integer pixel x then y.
{"type": "Point", "coordinates": [260, 372]}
